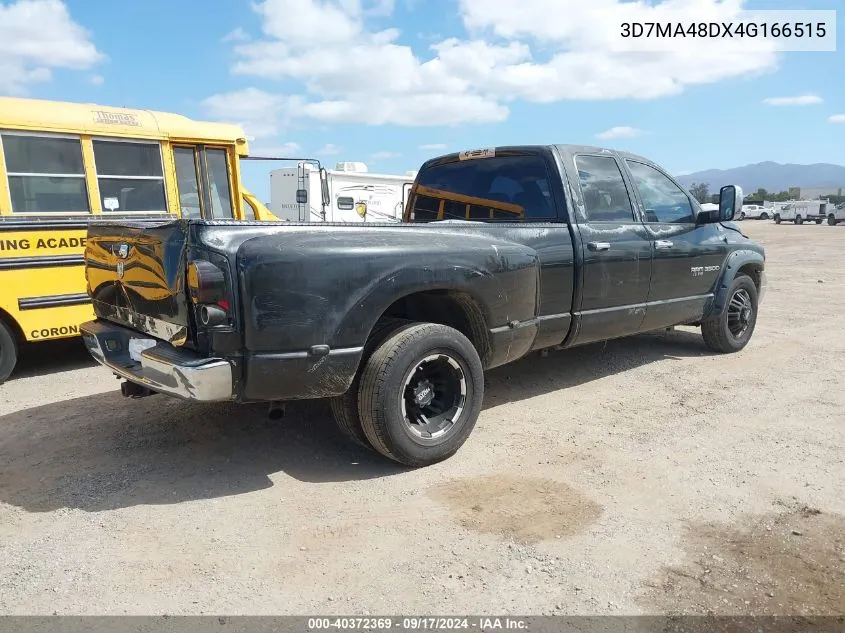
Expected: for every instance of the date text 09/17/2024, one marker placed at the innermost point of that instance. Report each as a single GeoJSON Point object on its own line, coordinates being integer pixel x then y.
{"type": "Point", "coordinates": [417, 623]}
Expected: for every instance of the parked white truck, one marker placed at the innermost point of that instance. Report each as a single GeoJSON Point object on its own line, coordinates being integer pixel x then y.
{"type": "Point", "coordinates": [800, 210]}
{"type": "Point", "coordinates": [754, 212]}
{"type": "Point", "coordinates": [352, 194]}
{"type": "Point", "coordinates": [836, 215]}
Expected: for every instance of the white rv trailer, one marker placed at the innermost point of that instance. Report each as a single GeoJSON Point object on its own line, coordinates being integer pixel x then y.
{"type": "Point", "coordinates": [354, 194]}
{"type": "Point", "coordinates": [797, 211]}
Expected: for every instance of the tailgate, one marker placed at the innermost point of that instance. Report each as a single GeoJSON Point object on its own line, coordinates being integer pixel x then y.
{"type": "Point", "coordinates": [136, 276]}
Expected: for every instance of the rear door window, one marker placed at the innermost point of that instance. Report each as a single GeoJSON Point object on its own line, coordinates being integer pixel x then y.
{"type": "Point", "coordinates": [512, 188]}
{"type": "Point", "coordinates": [603, 190]}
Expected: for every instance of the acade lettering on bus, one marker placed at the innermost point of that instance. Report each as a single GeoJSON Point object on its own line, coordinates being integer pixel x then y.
{"type": "Point", "coordinates": [54, 331]}
{"type": "Point", "coordinates": [49, 242]}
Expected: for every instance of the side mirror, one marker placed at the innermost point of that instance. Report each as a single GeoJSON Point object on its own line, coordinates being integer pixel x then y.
{"type": "Point", "coordinates": [730, 202]}
{"type": "Point", "coordinates": [301, 196]}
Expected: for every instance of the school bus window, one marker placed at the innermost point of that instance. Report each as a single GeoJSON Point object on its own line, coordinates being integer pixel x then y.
{"type": "Point", "coordinates": [130, 176]}
{"type": "Point", "coordinates": [187, 182]}
{"type": "Point", "coordinates": [45, 174]}
{"type": "Point", "coordinates": [218, 180]}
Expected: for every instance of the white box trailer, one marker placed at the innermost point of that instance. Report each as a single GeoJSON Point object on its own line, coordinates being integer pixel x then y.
{"type": "Point", "coordinates": [798, 211]}
{"type": "Point", "coordinates": [352, 194]}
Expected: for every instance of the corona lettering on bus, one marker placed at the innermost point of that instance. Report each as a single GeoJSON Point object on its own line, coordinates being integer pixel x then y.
{"type": "Point", "coordinates": [64, 165]}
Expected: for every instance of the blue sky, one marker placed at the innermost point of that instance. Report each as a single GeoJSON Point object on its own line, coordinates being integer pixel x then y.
{"type": "Point", "coordinates": [353, 79]}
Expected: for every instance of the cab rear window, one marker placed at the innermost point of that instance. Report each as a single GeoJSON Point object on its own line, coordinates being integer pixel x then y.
{"type": "Point", "coordinates": [496, 189]}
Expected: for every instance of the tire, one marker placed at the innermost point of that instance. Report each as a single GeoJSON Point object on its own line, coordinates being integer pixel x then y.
{"type": "Point", "coordinates": [439, 366]}
{"type": "Point", "coordinates": [742, 215]}
{"type": "Point", "coordinates": [819, 220]}
{"type": "Point", "coordinates": [831, 220]}
{"type": "Point", "coordinates": [8, 351]}
{"type": "Point", "coordinates": [777, 218]}
{"type": "Point", "coordinates": [764, 216]}
{"type": "Point", "coordinates": [731, 331]}
{"type": "Point", "coordinates": [345, 408]}
{"type": "Point", "coordinates": [799, 219]}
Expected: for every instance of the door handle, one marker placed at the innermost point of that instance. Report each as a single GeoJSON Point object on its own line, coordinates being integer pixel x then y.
{"type": "Point", "coordinates": [663, 244]}
{"type": "Point", "coordinates": [598, 246]}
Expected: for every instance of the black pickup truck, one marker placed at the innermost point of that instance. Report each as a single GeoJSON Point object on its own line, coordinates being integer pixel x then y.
{"type": "Point", "coordinates": [502, 252]}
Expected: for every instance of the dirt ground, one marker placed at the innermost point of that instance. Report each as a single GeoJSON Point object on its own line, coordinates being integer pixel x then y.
{"type": "Point", "coordinates": [643, 475]}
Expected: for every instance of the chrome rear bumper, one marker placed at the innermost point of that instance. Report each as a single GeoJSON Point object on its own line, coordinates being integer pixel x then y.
{"type": "Point", "coordinates": [161, 367]}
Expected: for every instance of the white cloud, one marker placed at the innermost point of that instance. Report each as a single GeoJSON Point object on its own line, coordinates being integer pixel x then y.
{"type": "Point", "coordinates": [237, 34]}
{"type": "Point", "coordinates": [620, 131]}
{"type": "Point", "coordinates": [328, 150]}
{"type": "Point", "coordinates": [37, 36]}
{"type": "Point", "coordinates": [547, 51]}
{"type": "Point", "coordinates": [801, 100]}
{"type": "Point", "coordinates": [289, 149]}
{"type": "Point", "coordinates": [433, 146]}
{"type": "Point", "coordinates": [837, 118]}
{"type": "Point", "coordinates": [96, 80]}
{"type": "Point", "coordinates": [260, 113]}
{"type": "Point", "coordinates": [384, 155]}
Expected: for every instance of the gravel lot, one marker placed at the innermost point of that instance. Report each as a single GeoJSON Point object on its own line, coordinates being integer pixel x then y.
{"type": "Point", "coordinates": [644, 475]}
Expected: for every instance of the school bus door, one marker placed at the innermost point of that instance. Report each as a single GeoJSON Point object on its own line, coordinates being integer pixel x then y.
{"type": "Point", "coordinates": [204, 182]}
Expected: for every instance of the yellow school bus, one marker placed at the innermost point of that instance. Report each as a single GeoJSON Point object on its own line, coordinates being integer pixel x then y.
{"type": "Point", "coordinates": [64, 165]}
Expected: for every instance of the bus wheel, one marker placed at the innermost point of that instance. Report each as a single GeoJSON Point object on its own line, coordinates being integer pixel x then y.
{"type": "Point", "coordinates": [8, 351]}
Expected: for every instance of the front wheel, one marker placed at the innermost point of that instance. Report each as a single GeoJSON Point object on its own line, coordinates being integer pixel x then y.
{"type": "Point", "coordinates": [731, 331]}
{"type": "Point", "coordinates": [799, 219]}
{"type": "Point", "coordinates": [777, 218]}
{"type": "Point", "coordinates": [8, 351]}
{"type": "Point", "coordinates": [421, 394]}
{"type": "Point", "coordinates": [831, 220]}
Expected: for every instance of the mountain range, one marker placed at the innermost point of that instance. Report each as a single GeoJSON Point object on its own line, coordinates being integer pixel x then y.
{"type": "Point", "coordinates": [770, 176]}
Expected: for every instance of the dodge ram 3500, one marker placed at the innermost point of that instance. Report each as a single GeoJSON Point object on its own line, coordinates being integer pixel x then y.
{"type": "Point", "coordinates": [502, 252]}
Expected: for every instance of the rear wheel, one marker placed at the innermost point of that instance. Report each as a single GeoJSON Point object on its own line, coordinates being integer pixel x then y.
{"type": "Point", "coordinates": [421, 394]}
{"type": "Point", "coordinates": [345, 408]}
{"type": "Point", "coordinates": [742, 215]}
{"type": "Point", "coordinates": [764, 216]}
{"type": "Point", "coordinates": [819, 220]}
{"type": "Point", "coordinates": [8, 351]}
{"type": "Point", "coordinates": [777, 218]}
{"type": "Point", "coordinates": [799, 219]}
{"type": "Point", "coordinates": [731, 331]}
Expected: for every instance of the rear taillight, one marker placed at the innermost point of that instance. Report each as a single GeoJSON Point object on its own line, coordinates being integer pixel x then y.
{"type": "Point", "coordinates": [206, 282]}
{"type": "Point", "coordinates": [208, 291]}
